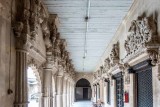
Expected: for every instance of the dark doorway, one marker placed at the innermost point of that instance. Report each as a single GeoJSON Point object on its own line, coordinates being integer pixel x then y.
{"type": "Point", "coordinates": [143, 72]}
{"type": "Point", "coordinates": [119, 89]}
{"type": "Point", "coordinates": [85, 93]}
{"type": "Point", "coordinates": [83, 90]}
{"type": "Point", "coordinates": [144, 89]}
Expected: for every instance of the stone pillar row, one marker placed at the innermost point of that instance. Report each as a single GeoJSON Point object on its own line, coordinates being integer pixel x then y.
{"type": "Point", "coordinates": [64, 91]}
{"type": "Point", "coordinates": [64, 87]}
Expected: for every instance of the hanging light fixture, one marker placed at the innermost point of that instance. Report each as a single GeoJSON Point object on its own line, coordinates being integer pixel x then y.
{"type": "Point", "coordinates": [86, 31]}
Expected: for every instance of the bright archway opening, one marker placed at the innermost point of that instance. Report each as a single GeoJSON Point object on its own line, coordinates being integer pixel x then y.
{"type": "Point", "coordinates": [83, 90]}
{"type": "Point", "coordinates": [33, 88]}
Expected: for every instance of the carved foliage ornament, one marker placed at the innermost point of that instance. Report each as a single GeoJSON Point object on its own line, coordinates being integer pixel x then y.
{"type": "Point", "coordinates": [143, 35]}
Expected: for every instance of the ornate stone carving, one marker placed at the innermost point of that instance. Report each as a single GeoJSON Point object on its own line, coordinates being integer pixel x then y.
{"type": "Point", "coordinates": [107, 64]}
{"type": "Point", "coordinates": [53, 29]}
{"type": "Point", "coordinates": [99, 73]}
{"type": "Point", "coordinates": [102, 69]}
{"type": "Point", "coordinates": [68, 64]}
{"type": "Point", "coordinates": [153, 54]}
{"type": "Point", "coordinates": [114, 56]}
{"type": "Point", "coordinates": [18, 29]}
{"type": "Point", "coordinates": [57, 51]}
{"type": "Point", "coordinates": [42, 14]}
{"type": "Point", "coordinates": [46, 36]}
{"type": "Point", "coordinates": [115, 51]}
{"type": "Point", "coordinates": [143, 37]}
{"type": "Point", "coordinates": [34, 18]}
{"type": "Point", "coordinates": [62, 48]}
{"type": "Point", "coordinates": [22, 32]}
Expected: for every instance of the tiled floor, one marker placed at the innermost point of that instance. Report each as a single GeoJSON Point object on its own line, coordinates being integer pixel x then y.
{"type": "Point", "coordinates": [83, 104]}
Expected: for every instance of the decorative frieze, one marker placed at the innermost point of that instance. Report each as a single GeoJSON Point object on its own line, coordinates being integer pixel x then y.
{"type": "Point", "coordinates": [142, 38]}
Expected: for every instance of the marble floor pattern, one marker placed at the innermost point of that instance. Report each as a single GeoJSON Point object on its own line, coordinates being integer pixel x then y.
{"type": "Point", "coordinates": [83, 104]}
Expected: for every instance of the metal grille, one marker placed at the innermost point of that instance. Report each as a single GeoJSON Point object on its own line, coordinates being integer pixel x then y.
{"type": "Point", "coordinates": [144, 88]}
{"type": "Point", "coordinates": [119, 91]}
{"type": "Point", "coordinates": [108, 92]}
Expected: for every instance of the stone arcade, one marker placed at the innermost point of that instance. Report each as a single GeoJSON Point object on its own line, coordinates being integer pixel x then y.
{"type": "Point", "coordinates": [48, 51]}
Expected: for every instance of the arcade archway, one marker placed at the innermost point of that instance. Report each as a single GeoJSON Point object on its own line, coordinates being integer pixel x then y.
{"type": "Point", "coordinates": [83, 90]}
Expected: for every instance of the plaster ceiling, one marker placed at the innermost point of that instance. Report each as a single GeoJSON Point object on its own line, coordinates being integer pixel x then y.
{"type": "Point", "coordinates": [104, 18]}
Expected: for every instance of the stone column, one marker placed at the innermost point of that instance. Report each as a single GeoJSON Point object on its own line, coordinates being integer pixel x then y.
{"type": "Point", "coordinates": [47, 81]}
{"type": "Point", "coordinates": [53, 92]}
{"type": "Point", "coordinates": [72, 93]}
{"type": "Point", "coordinates": [54, 101]}
{"type": "Point", "coordinates": [22, 37]}
{"type": "Point", "coordinates": [65, 92]}
{"type": "Point", "coordinates": [95, 92]}
{"type": "Point", "coordinates": [21, 91]}
{"type": "Point", "coordinates": [68, 93]}
{"type": "Point", "coordinates": [59, 87]}
{"type": "Point", "coordinates": [98, 92]}
{"type": "Point", "coordinates": [74, 87]}
{"type": "Point", "coordinates": [46, 97]}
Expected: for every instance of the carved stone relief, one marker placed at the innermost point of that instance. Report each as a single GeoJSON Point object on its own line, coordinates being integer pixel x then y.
{"type": "Point", "coordinates": [35, 8]}
{"type": "Point", "coordinates": [143, 37]}
{"type": "Point", "coordinates": [107, 64]}
{"type": "Point", "coordinates": [114, 56]}
{"type": "Point", "coordinates": [94, 76]}
{"type": "Point", "coordinates": [102, 70]}
{"type": "Point", "coordinates": [22, 36]}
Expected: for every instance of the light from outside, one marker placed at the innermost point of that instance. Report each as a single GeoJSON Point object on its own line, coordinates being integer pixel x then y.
{"type": "Point", "coordinates": [33, 94]}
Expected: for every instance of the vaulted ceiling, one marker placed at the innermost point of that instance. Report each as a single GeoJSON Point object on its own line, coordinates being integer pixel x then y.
{"type": "Point", "coordinates": [88, 38]}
